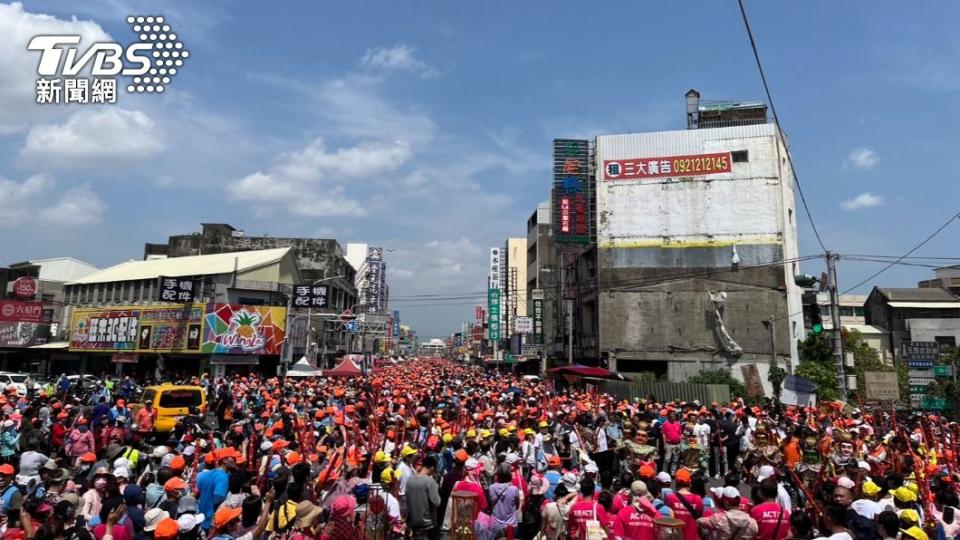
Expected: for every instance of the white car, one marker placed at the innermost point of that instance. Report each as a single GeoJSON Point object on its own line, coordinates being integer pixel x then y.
{"type": "Point", "coordinates": [88, 380]}
{"type": "Point", "coordinates": [17, 380]}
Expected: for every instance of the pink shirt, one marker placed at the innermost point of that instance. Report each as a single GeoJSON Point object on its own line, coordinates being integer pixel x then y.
{"type": "Point", "coordinates": [581, 512]}
{"type": "Point", "coordinates": [672, 432]}
{"type": "Point", "coordinates": [632, 524]}
{"type": "Point", "coordinates": [680, 512]}
{"type": "Point", "coordinates": [767, 516]}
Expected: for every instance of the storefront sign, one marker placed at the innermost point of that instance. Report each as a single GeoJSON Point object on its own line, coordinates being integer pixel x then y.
{"type": "Point", "coordinates": [523, 325]}
{"type": "Point", "coordinates": [125, 358]}
{"type": "Point", "coordinates": [659, 167]}
{"type": "Point", "coordinates": [311, 296]}
{"type": "Point", "coordinates": [137, 328]}
{"type": "Point", "coordinates": [538, 322]}
{"type": "Point", "coordinates": [920, 351]}
{"type": "Point", "coordinates": [236, 329]}
{"type": "Point", "coordinates": [22, 334]}
{"type": "Point", "coordinates": [25, 287]}
{"type": "Point", "coordinates": [493, 279]}
{"type": "Point", "coordinates": [14, 311]}
{"type": "Point", "coordinates": [571, 191]}
{"type": "Point", "coordinates": [493, 308]}
{"type": "Point", "coordinates": [176, 289]}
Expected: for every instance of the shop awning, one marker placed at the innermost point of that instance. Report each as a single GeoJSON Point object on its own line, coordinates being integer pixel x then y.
{"type": "Point", "coordinates": [584, 371]}
{"type": "Point", "coordinates": [52, 345]}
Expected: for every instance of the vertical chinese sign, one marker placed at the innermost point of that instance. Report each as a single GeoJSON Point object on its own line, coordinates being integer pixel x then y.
{"type": "Point", "coordinates": [537, 316]}
{"type": "Point", "coordinates": [571, 191]}
{"type": "Point", "coordinates": [493, 309]}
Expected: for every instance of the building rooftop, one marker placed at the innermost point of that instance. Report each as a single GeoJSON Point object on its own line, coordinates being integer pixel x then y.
{"type": "Point", "coordinates": [197, 265]}
{"type": "Point", "coordinates": [916, 295]}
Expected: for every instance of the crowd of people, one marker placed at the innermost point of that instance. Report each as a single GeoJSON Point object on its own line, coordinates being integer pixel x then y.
{"type": "Point", "coordinates": [434, 449]}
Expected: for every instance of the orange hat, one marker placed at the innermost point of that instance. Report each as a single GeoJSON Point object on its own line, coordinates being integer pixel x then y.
{"type": "Point", "coordinates": [211, 457]}
{"type": "Point", "coordinates": [293, 458]}
{"type": "Point", "coordinates": [7, 470]}
{"type": "Point", "coordinates": [82, 421]}
{"type": "Point", "coordinates": [167, 529]}
{"type": "Point", "coordinates": [227, 453]}
{"type": "Point", "coordinates": [461, 455]}
{"type": "Point", "coordinates": [280, 444]}
{"type": "Point", "coordinates": [647, 471]}
{"type": "Point", "coordinates": [554, 461]}
{"type": "Point", "coordinates": [62, 416]}
{"type": "Point", "coordinates": [89, 457]}
{"type": "Point", "coordinates": [174, 484]}
{"type": "Point", "coordinates": [225, 515]}
{"type": "Point", "coordinates": [178, 463]}
{"type": "Point", "coordinates": [683, 477]}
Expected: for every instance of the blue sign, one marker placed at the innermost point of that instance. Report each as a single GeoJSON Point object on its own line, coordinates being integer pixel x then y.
{"type": "Point", "coordinates": [351, 326]}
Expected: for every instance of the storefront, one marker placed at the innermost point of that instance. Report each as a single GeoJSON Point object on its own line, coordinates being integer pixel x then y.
{"type": "Point", "coordinates": [170, 342]}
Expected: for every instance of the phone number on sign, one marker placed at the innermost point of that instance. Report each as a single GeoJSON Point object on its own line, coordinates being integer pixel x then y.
{"type": "Point", "coordinates": [639, 168]}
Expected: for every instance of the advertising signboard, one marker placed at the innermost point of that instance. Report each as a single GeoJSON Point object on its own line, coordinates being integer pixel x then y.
{"type": "Point", "coordinates": [236, 329]}
{"type": "Point", "coordinates": [493, 278]}
{"type": "Point", "coordinates": [523, 325]}
{"type": "Point", "coordinates": [14, 311]}
{"type": "Point", "coordinates": [660, 167]}
{"type": "Point", "coordinates": [571, 191]}
{"type": "Point", "coordinates": [538, 322]}
{"type": "Point", "coordinates": [137, 329]}
{"type": "Point", "coordinates": [312, 296]}
{"type": "Point", "coordinates": [25, 287]}
{"type": "Point", "coordinates": [493, 310]}
{"type": "Point", "coordinates": [176, 289]}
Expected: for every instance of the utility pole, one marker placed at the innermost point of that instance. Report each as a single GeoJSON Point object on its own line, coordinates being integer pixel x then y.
{"type": "Point", "coordinates": [287, 345]}
{"type": "Point", "coordinates": [569, 304]}
{"type": "Point", "coordinates": [837, 330]}
{"type": "Point", "coordinates": [773, 351]}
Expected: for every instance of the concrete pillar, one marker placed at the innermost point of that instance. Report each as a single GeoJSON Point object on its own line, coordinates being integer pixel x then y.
{"type": "Point", "coordinates": [612, 362]}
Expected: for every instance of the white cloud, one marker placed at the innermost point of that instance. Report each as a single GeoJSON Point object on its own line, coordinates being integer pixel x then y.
{"type": "Point", "coordinates": [77, 206]}
{"type": "Point", "coordinates": [94, 137]}
{"type": "Point", "coordinates": [400, 57]}
{"type": "Point", "coordinates": [862, 158]}
{"type": "Point", "coordinates": [21, 203]}
{"type": "Point", "coordinates": [312, 181]}
{"type": "Point", "coordinates": [18, 66]}
{"type": "Point", "coordinates": [863, 200]}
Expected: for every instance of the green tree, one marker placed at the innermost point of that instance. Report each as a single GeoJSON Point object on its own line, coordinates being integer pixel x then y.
{"type": "Point", "coordinates": [720, 376]}
{"type": "Point", "coordinates": [866, 358]}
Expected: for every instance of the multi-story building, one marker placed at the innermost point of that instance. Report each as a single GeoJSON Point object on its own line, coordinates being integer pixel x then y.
{"type": "Point", "coordinates": [514, 290]}
{"type": "Point", "coordinates": [696, 247]}
{"type": "Point", "coordinates": [921, 314]}
{"type": "Point", "coordinates": [541, 286]}
{"type": "Point", "coordinates": [946, 278]}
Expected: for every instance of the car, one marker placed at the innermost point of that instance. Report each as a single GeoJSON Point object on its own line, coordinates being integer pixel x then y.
{"type": "Point", "coordinates": [87, 380]}
{"type": "Point", "coordinates": [17, 380]}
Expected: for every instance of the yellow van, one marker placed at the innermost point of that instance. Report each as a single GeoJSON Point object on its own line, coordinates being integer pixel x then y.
{"type": "Point", "coordinates": [173, 402]}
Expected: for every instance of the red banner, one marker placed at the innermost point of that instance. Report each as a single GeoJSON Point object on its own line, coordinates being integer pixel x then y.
{"type": "Point", "coordinates": [659, 167]}
{"type": "Point", "coordinates": [13, 311]}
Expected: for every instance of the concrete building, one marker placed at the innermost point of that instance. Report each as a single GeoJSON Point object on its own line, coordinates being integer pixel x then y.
{"type": "Point", "coordinates": [921, 314]}
{"type": "Point", "coordinates": [946, 278]}
{"type": "Point", "coordinates": [356, 254]}
{"type": "Point", "coordinates": [514, 290]}
{"type": "Point", "coordinates": [316, 258]}
{"type": "Point", "coordinates": [853, 317]}
{"type": "Point", "coordinates": [541, 286]}
{"type": "Point", "coordinates": [696, 246]}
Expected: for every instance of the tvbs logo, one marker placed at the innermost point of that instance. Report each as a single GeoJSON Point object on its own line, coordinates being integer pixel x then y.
{"type": "Point", "coordinates": [151, 63]}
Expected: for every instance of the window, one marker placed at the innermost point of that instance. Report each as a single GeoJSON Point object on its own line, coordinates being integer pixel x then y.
{"type": "Point", "coordinates": [180, 398]}
{"type": "Point", "coordinates": [740, 156]}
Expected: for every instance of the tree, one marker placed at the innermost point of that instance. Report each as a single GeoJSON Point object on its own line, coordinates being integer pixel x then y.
{"type": "Point", "coordinates": [720, 376]}
{"type": "Point", "coordinates": [817, 365]}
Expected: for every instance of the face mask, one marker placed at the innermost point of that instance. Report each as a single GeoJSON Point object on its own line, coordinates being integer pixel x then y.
{"type": "Point", "coordinates": [83, 429]}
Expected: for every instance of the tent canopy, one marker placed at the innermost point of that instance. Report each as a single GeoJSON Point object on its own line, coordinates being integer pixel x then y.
{"type": "Point", "coordinates": [584, 371]}
{"type": "Point", "coordinates": [347, 368]}
{"type": "Point", "coordinates": [302, 368]}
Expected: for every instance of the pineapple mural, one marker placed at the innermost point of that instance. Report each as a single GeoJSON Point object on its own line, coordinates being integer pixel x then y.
{"type": "Point", "coordinates": [240, 329]}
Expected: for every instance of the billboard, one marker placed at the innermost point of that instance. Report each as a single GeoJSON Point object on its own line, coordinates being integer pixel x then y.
{"type": "Point", "coordinates": [137, 328]}
{"type": "Point", "coordinates": [493, 309]}
{"type": "Point", "coordinates": [236, 329]}
{"type": "Point", "coordinates": [15, 311]}
{"type": "Point", "coordinates": [660, 167]}
{"type": "Point", "coordinates": [571, 191]}
{"type": "Point", "coordinates": [493, 280]}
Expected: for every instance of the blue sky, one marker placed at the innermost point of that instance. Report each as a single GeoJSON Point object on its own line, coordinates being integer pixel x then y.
{"type": "Point", "coordinates": [426, 126]}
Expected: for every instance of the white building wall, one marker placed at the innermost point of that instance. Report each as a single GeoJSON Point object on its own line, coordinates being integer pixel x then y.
{"type": "Point", "coordinates": [930, 329]}
{"type": "Point", "coordinates": [63, 269]}
{"type": "Point", "coordinates": [356, 255]}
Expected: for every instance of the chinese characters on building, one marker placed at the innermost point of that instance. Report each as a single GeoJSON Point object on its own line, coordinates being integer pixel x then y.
{"type": "Point", "coordinates": [493, 308]}
{"type": "Point", "coordinates": [494, 278]}
{"type": "Point", "coordinates": [571, 190]}
{"type": "Point", "coordinates": [659, 167]}
{"type": "Point", "coordinates": [173, 289]}
{"type": "Point", "coordinates": [312, 296]}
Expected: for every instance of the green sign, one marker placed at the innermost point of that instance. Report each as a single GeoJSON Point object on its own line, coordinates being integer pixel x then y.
{"type": "Point", "coordinates": [942, 371]}
{"type": "Point", "coordinates": [934, 403]}
{"type": "Point", "coordinates": [508, 358]}
{"type": "Point", "coordinates": [493, 311]}
{"type": "Point", "coordinates": [914, 389]}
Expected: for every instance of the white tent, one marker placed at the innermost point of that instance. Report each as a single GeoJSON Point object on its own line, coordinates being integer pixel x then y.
{"type": "Point", "coordinates": [303, 369]}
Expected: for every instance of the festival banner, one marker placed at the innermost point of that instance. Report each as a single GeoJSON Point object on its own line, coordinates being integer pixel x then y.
{"type": "Point", "coordinates": [137, 329]}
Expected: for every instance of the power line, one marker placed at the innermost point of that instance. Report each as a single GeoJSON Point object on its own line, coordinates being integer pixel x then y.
{"type": "Point", "coordinates": [907, 254]}
{"type": "Point", "coordinates": [776, 119]}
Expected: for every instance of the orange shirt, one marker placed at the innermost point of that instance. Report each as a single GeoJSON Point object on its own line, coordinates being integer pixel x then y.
{"type": "Point", "coordinates": [791, 452]}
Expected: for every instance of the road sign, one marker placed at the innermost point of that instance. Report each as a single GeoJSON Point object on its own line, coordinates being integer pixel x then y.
{"type": "Point", "coordinates": [934, 403]}
{"type": "Point", "coordinates": [943, 371]}
{"type": "Point", "coordinates": [920, 351]}
{"type": "Point", "coordinates": [882, 385]}
{"type": "Point", "coordinates": [493, 311]}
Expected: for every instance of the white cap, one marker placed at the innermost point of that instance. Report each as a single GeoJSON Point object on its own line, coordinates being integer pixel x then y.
{"type": "Point", "coordinates": [471, 464]}
{"type": "Point", "coordinates": [591, 468]}
{"type": "Point", "coordinates": [845, 482]}
{"type": "Point", "coordinates": [122, 462]}
{"type": "Point", "coordinates": [511, 458]}
{"type": "Point", "coordinates": [160, 451]}
{"type": "Point", "coordinates": [765, 472]}
{"type": "Point", "coordinates": [731, 492]}
{"type": "Point", "coordinates": [266, 445]}
{"type": "Point", "coordinates": [663, 477]}
{"type": "Point", "coordinates": [188, 522]}
{"type": "Point", "coordinates": [717, 492]}
{"type": "Point", "coordinates": [864, 465]}
{"type": "Point", "coordinates": [122, 472]}
{"type": "Point", "coordinates": [190, 450]}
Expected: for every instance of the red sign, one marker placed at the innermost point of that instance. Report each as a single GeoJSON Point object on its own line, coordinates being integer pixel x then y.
{"type": "Point", "coordinates": [565, 215]}
{"type": "Point", "coordinates": [25, 287]}
{"type": "Point", "coordinates": [13, 311]}
{"type": "Point", "coordinates": [659, 167]}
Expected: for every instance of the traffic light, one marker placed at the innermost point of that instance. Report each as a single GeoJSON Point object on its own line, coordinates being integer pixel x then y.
{"type": "Point", "coordinates": [816, 320]}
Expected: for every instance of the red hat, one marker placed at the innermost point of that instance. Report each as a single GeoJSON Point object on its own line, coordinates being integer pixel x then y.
{"type": "Point", "coordinates": [178, 463]}
{"type": "Point", "coordinates": [280, 444]}
{"type": "Point", "coordinates": [82, 421]}
{"type": "Point", "coordinates": [167, 529]}
{"type": "Point", "coordinates": [7, 470]}
{"type": "Point", "coordinates": [89, 457]}
{"type": "Point", "coordinates": [174, 484]}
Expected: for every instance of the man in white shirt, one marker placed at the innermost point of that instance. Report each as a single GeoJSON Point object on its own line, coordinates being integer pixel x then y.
{"type": "Point", "coordinates": [702, 433]}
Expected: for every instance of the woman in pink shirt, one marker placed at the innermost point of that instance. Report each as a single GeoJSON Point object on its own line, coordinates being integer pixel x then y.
{"type": "Point", "coordinates": [471, 483]}
{"type": "Point", "coordinates": [80, 441]}
{"type": "Point", "coordinates": [686, 506]}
